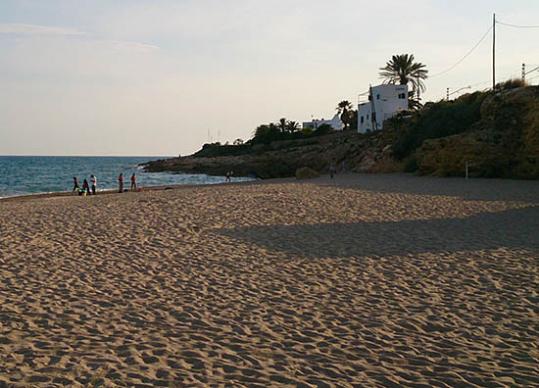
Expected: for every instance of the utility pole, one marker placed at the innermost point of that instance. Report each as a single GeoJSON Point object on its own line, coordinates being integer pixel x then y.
{"type": "Point", "coordinates": [523, 72]}
{"type": "Point", "coordinates": [494, 52]}
{"type": "Point", "coordinates": [447, 94]}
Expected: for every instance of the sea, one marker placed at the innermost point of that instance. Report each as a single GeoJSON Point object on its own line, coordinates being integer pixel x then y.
{"type": "Point", "coordinates": [22, 175]}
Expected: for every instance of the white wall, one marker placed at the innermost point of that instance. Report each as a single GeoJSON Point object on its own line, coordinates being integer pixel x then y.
{"type": "Point", "coordinates": [335, 123]}
{"type": "Point", "coordinates": [364, 122]}
{"type": "Point", "coordinates": [387, 100]}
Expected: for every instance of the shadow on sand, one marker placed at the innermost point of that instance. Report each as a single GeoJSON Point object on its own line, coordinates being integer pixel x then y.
{"type": "Point", "coordinates": [517, 228]}
{"type": "Point", "coordinates": [471, 189]}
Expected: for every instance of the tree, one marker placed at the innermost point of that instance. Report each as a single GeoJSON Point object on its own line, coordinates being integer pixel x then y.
{"type": "Point", "coordinates": [403, 70]}
{"type": "Point", "coordinates": [414, 103]}
{"type": "Point", "coordinates": [238, 142]}
{"type": "Point", "coordinates": [292, 126]}
{"type": "Point", "coordinates": [343, 108]}
{"type": "Point", "coordinates": [353, 120]}
{"type": "Point", "coordinates": [266, 133]}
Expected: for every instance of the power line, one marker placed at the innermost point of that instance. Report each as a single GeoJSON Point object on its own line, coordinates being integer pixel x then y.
{"type": "Point", "coordinates": [475, 85]}
{"type": "Point", "coordinates": [514, 25]}
{"type": "Point", "coordinates": [465, 56]}
{"type": "Point", "coordinates": [531, 71]}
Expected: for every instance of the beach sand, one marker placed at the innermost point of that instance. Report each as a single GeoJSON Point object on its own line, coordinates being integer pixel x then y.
{"type": "Point", "coordinates": [377, 280]}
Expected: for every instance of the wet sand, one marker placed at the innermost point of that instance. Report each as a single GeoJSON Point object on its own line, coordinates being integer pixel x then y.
{"type": "Point", "coordinates": [377, 280]}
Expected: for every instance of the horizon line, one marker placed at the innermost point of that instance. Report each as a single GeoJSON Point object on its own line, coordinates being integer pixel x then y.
{"type": "Point", "coordinates": [86, 156]}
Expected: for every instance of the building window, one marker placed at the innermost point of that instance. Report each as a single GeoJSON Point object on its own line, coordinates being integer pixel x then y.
{"type": "Point", "coordinates": [402, 96]}
{"type": "Point", "coordinates": [367, 117]}
{"type": "Point", "coordinates": [377, 96]}
{"type": "Point", "coordinates": [362, 119]}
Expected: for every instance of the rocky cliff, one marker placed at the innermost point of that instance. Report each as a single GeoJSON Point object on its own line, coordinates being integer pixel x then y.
{"type": "Point", "coordinates": [502, 142]}
{"type": "Point", "coordinates": [283, 158]}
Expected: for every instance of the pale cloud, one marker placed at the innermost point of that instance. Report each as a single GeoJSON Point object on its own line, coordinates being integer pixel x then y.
{"type": "Point", "coordinates": [127, 45]}
{"type": "Point", "coordinates": [37, 30]}
{"type": "Point", "coordinates": [40, 31]}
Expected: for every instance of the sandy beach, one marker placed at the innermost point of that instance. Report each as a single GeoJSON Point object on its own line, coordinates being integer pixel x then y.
{"type": "Point", "coordinates": [375, 280]}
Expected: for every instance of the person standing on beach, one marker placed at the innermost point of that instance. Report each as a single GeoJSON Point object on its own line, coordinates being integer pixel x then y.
{"type": "Point", "coordinates": [332, 169]}
{"type": "Point", "coordinates": [133, 182]}
{"type": "Point", "coordinates": [121, 183]}
{"type": "Point", "coordinates": [76, 186]}
{"type": "Point", "coordinates": [93, 181]}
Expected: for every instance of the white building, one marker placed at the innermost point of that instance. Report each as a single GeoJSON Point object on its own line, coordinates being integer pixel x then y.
{"type": "Point", "coordinates": [335, 123]}
{"type": "Point", "coordinates": [384, 102]}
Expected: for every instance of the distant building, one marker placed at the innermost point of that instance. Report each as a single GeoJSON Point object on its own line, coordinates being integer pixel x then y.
{"type": "Point", "coordinates": [334, 123]}
{"type": "Point", "coordinates": [384, 102]}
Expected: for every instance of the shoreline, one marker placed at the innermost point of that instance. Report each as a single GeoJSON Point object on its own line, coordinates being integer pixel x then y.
{"type": "Point", "coordinates": [60, 194]}
{"type": "Point", "coordinates": [346, 180]}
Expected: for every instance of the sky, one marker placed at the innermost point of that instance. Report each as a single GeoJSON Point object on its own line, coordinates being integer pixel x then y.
{"type": "Point", "coordinates": [162, 77]}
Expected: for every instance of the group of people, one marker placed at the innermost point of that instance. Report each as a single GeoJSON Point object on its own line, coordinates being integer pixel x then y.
{"type": "Point", "coordinates": [91, 188]}
{"type": "Point", "coordinates": [121, 183]}
{"type": "Point", "coordinates": [86, 189]}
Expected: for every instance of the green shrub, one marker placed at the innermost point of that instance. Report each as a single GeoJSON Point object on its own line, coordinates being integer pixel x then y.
{"type": "Point", "coordinates": [441, 119]}
{"type": "Point", "coordinates": [511, 84]}
{"type": "Point", "coordinates": [323, 129]}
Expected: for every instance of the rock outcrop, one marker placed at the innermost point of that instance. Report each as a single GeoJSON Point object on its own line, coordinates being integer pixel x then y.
{"type": "Point", "coordinates": [351, 151]}
{"type": "Point", "coordinates": [504, 142]}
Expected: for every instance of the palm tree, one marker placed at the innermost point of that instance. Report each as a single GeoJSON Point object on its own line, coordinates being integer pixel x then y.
{"type": "Point", "coordinates": [292, 126]}
{"type": "Point", "coordinates": [344, 108]}
{"type": "Point", "coordinates": [403, 70]}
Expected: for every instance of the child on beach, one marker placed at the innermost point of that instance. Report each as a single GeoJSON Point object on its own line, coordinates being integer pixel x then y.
{"type": "Point", "coordinates": [93, 180]}
{"type": "Point", "coordinates": [121, 183]}
{"type": "Point", "coordinates": [86, 187]}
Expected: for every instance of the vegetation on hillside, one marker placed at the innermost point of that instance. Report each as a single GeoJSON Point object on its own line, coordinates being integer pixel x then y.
{"type": "Point", "coordinates": [281, 130]}
{"type": "Point", "coordinates": [435, 120]}
{"type": "Point", "coordinates": [496, 134]}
